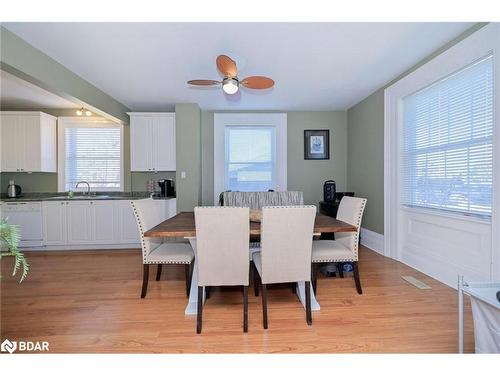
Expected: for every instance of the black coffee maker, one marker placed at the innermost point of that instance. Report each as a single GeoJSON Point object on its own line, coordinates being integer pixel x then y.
{"type": "Point", "coordinates": [166, 188]}
{"type": "Point", "coordinates": [329, 190]}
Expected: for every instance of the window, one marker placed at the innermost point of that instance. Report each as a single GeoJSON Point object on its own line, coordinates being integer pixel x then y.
{"type": "Point", "coordinates": [92, 152]}
{"type": "Point", "coordinates": [250, 155]}
{"type": "Point", "coordinates": [447, 148]}
{"type": "Point", "coordinates": [250, 152]}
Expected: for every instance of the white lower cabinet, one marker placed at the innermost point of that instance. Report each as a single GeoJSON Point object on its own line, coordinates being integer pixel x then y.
{"type": "Point", "coordinates": [92, 223]}
{"type": "Point", "coordinates": [79, 219]}
{"type": "Point", "coordinates": [54, 223]}
{"type": "Point", "coordinates": [126, 225]}
{"type": "Point", "coordinates": [103, 222]}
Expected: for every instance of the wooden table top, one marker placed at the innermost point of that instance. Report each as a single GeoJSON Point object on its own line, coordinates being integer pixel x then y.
{"type": "Point", "coordinates": [182, 225]}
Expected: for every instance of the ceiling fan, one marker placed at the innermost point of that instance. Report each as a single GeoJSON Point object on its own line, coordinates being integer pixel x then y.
{"type": "Point", "coordinates": [231, 83]}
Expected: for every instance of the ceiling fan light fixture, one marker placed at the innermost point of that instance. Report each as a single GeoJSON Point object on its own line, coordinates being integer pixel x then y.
{"type": "Point", "coordinates": [230, 85]}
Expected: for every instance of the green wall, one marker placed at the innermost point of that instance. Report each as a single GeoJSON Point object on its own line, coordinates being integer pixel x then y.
{"type": "Point", "coordinates": [188, 155]}
{"type": "Point", "coordinates": [365, 155]}
{"type": "Point", "coordinates": [303, 175]}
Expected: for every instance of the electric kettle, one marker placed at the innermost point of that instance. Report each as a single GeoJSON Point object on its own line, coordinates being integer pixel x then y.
{"type": "Point", "coordinates": [13, 191]}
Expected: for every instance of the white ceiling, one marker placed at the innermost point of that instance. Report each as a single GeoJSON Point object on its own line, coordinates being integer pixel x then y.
{"type": "Point", "coordinates": [16, 93]}
{"type": "Point", "coordinates": [316, 66]}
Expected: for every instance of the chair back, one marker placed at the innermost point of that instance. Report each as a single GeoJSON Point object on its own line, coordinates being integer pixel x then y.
{"type": "Point", "coordinates": [286, 243]}
{"type": "Point", "coordinates": [351, 211]}
{"type": "Point", "coordinates": [259, 199]}
{"type": "Point", "coordinates": [222, 245]}
{"type": "Point", "coordinates": [147, 215]}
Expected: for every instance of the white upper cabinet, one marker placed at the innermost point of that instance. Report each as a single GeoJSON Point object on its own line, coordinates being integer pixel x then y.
{"type": "Point", "coordinates": [28, 142]}
{"type": "Point", "coordinates": [152, 141]}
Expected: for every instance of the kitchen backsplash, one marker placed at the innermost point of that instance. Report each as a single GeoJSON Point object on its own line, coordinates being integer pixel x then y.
{"type": "Point", "coordinates": [47, 182]}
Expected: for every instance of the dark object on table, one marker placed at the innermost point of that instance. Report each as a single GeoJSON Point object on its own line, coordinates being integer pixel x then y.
{"type": "Point", "coordinates": [329, 189]}
{"type": "Point", "coordinates": [316, 144]}
{"type": "Point", "coordinates": [498, 296]}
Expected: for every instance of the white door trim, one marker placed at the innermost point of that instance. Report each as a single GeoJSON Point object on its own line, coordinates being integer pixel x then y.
{"type": "Point", "coordinates": [477, 45]}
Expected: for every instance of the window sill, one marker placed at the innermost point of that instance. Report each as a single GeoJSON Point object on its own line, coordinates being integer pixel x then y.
{"type": "Point", "coordinates": [446, 214]}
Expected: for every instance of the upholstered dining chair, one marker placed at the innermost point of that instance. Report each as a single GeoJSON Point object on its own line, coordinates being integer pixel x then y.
{"type": "Point", "coordinates": [159, 251]}
{"type": "Point", "coordinates": [222, 247]}
{"type": "Point", "coordinates": [285, 253]}
{"type": "Point", "coordinates": [345, 246]}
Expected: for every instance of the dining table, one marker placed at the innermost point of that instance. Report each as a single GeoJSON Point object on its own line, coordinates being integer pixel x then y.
{"type": "Point", "coordinates": [183, 225]}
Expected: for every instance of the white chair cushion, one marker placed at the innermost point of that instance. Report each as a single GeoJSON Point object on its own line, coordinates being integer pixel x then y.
{"type": "Point", "coordinates": [331, 251]}
{"type": "Point", "coordinates": [173, 253]}
{"type": "Point", "coordinates": [257, 261]}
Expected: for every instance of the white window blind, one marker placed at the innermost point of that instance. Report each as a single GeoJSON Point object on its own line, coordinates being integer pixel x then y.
{"type": "Point", "coordinates": [250, 158]}
{"type": "Point", "coordinates": [447, 148]}
{"type": "Point", "coordinates": [93, 154]}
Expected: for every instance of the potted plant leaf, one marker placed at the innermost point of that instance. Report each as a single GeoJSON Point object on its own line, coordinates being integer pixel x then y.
{"type": "Point", "coordinates": [9, 242]}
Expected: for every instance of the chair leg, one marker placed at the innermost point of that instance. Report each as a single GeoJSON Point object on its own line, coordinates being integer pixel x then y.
{"type": "Point", "coordinates": [356, 277]}
{"type": "Point", "coordinates": [340, 268]}
{"type": "Point", "coordinates": [199, 316]}
{"type": "Point", "coordinates": [158, 272]}
{"type": "Point", "coordinates": [314, 276]}
{"type": "Point", "coordinates": [264, 306]}
{"type": "Point", "coordinates": [245, 308]}
{"type": "Point", "coordinates": [187, 272]}
{"type": "Point", "coordinates": [145, 279]}
{"type": "Point", "coordinates": [256, 279]}
{"type": "Point", "coordinates": [308, 303]}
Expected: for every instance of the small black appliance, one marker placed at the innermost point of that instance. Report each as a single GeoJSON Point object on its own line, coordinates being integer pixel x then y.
{"type": "Point", "coordinates": [166, 188]}
{"type": "Point", "coordinates": [329, 190]}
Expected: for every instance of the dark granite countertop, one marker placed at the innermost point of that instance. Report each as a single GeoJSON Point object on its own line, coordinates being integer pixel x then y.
{"type": "Point", "coordinates": [37, 197]}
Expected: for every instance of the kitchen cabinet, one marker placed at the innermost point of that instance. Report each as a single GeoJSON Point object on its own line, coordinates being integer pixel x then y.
{"type": "Point", "coordinates": [103, 219]}
{"type": "Point", "coordinates": [126, 224]}
{"type": "Point", "coordinates": [28, 142]}
{"type": "Point", "coordinates": [54, 223]}
{"type": "Point", "coordinates": [79, 217]}
{"type": "Point", "coordinates": [152, 141]}
{"type": "Point", "coordinates": [90, 223]}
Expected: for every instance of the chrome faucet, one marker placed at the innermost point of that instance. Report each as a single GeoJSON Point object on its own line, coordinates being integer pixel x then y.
{"type": "Point", "coordinates": [84, 182]}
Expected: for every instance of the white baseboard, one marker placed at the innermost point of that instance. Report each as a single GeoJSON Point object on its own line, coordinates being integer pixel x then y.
{"type": "Point", "coordinates": [372, 240]}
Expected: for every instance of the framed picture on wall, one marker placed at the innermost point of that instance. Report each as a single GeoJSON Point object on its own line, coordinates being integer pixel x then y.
{"type": "Point", "coordinates": [316, 144]}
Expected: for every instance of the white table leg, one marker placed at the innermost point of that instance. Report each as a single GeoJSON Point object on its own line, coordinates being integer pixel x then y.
{"type": "Point", "coordinates": [192, 306]}
{"type": "Point", "coordinates": [301, 293]}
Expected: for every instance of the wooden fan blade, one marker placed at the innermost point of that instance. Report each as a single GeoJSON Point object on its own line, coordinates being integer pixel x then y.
{"type": "Point", "coordinates": [203, 82]}
{"type": "Point", "coordinates": [226, 66]}
{"type": "Point", "coordinates": [257, 82]}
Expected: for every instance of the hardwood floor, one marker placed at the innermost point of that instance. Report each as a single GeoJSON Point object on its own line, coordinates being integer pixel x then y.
{"type": "Point", "coordinates": [88, 301]}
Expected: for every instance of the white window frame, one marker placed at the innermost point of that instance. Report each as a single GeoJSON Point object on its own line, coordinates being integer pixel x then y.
{"type": "Point", "coordinates": [478, 45]}
{"type": "Point", "coordinates": [65, 122]}
{"type": "Point", "coordinates": [276, 120]}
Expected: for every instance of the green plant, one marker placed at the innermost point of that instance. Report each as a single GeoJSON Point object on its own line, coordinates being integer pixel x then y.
{"type": "Point", "coordinates": [9, 241]}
